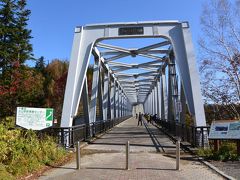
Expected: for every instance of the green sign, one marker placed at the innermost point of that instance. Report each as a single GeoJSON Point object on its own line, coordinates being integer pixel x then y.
{"type": "Point", "coordinates": [49, 114]}
{"type": "Point", "coordinates": [34, 118]}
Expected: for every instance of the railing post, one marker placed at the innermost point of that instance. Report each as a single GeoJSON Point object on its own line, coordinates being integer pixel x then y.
{"type": "Point", "coordinates": [72, 136]}
{"type": "Point", "coordinates": [69, 137]}
{"type": "Point", "coordinates": [183, 132]}
{"type": "Point", "coordinates": [127, 155]}
{"type": "Point", "coordinates": [78, 155]}
{"type": "Point", "coordinates": [195, 136]}
{"type": "Point", "coordinates": [202, 132]}
{"type": "Point", "coordinates": [177, 154]}
{"type": "Point", "coordinates": [86, 132]}
{"type": "Point", "coordinates": [93, 130]}
{"type": "Point", "coordinates": [62, 136]}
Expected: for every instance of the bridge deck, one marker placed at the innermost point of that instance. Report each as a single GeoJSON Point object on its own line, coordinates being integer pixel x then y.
{"type": "Point", "coordinates": [152, 156]}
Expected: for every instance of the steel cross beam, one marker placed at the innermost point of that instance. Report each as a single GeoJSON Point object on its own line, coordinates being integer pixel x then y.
{"type": "Point", "coordinates": [153, 51]}
{"type": "Point", "coordinates": [132, 52]}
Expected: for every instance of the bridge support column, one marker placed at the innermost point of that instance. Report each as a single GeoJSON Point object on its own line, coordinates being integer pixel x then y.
{"type": "Point", "coordinates": [156, 99]}
{"type": "Point", "coordinates": [117, 101]}
{"type": "Point", "coordinates": [112, 99]}
{"type": "Point", "coordinates": [183, 104]}
{"type": "Point", "coordinates": [170, 96]}
{"type": "Point", "coordinates": [85, 102]}
{"type": "Point", "coordinates": [159, 99]}
{"type": "Point", "coordinates": [94, 95]}
{"type": "Point", "coordinates": [105, 96]}
{"type": "Point", "coordinates": [164, 102]}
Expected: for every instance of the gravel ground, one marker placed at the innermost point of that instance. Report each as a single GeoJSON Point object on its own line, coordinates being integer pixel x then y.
{"type": "Point", "coordinates": [231, 168]}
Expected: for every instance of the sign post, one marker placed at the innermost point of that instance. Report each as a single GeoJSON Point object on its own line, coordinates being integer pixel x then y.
{"type": "Point", "coordinates": [238, 147]}
{"type": "Point", "coordinates": [34, 118]}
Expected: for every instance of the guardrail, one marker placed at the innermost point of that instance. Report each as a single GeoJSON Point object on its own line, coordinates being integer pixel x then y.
{"type": "Point", "coordinates": [196, 136]}
{"type": "Point", "coordinates": [68, 136]}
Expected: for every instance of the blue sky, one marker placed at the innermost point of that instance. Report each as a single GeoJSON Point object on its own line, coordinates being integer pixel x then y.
{"type": "Point", "coordinates": [53, 21]}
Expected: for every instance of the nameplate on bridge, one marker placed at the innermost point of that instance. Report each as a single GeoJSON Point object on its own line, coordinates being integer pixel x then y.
{"type": "Point", "coordinates": [225, 130]}
{"type": "Point", "coordinates": [130, 31]}
{"type": "Point", "coordinates": [34, 118]}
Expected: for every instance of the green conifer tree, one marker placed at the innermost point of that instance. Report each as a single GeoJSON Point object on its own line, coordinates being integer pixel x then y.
{"type": "Point", "coordinates": [14, 35]}
{"type": "Point", "coordinates": [15, 49]}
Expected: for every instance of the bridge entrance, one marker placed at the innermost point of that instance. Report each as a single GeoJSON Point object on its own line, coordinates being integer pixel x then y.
{"type": "Point", "coordinates": [166, 84]}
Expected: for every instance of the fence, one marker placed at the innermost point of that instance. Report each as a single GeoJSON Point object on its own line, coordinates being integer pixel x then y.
{"type": "Point", "coordinates": [68, 136]}
{"type": "Point", "coordinates": [196, 136]}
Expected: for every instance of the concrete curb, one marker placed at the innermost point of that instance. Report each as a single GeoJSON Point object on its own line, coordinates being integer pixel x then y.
{"type": "Point", "coordinates": [209, 165]}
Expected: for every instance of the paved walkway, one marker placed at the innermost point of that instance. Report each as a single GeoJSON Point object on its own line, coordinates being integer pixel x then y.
{"type": "Point", "coordinates": [152, 156]}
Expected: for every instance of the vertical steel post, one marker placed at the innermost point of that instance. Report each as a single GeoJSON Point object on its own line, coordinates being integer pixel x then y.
{"type": "Point", "coordinates": [117, 100]}
{"type": "Point", "coordinates": [78, 155]}
{"type": "Point", "coordinates": [127, 155]}
{"type": "Point", "coordinates": [178, 155]}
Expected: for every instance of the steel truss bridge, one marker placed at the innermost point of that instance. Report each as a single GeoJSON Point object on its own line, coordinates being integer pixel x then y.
{"type": "Point", "coordinates": [166, 83]}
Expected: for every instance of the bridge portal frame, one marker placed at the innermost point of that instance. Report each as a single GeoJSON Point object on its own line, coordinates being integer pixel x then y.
{"type": "Point", "coordinates": [178, 33]}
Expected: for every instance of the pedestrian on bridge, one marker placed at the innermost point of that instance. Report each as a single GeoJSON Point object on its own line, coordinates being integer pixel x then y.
{"type": "Point", "coordinates": [154, 118]}
{"type": "Point", "coordinates": [150, 118]}
{"type": "Point", "coordinates": [140, 119]}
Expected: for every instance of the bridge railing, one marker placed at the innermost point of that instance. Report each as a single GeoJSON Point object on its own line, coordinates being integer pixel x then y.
{"type": "Point", "coordinates": [68, 136]}
{"type": "Point", "coordinates": [196, 136]}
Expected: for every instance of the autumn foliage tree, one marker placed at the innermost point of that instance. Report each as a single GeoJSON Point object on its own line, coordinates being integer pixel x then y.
{"type": "Point", "coordinates": [220, 56]}
{"type": "Point", "coordinates": [56, 76]}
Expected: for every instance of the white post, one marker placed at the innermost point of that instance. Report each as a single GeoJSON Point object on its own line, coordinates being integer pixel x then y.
{"type": "Point", "coordinates": [78, 155]}
{"type": "Point", "coordinates": [177, 155]}
{"type": "Point", "coordinates": [127, 155]}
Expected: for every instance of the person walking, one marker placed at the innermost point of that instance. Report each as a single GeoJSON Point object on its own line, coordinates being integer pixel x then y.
{"type": "Point", "coordinates": [140, 119]}
{"type": "Point", "coordinates": [151, 118]}
{"type": "Point", "coordinates": [148, 118]}
{"type": "Point", "coordinates": [136, 116]}
{"type": "Point", "coordinates": [155, 118]}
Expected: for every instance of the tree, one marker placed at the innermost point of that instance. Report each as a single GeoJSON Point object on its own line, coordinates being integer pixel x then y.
{"type": "Point", "coordinates": [220, 54]}
{"type": "Point", "coordinates": [26, 89]}
{"type": "Point", "coordinates": [7, 29]}
{"type": "Point", "coordinates": [40, 65]}
{"type": "Point", "coordinates": [22, 34]}
{"type": "Point", "coordinates": [14, 35]}
{"type": "Point", "coordinates": [15, 50]}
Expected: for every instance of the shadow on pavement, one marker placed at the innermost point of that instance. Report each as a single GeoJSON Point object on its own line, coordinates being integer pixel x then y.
{"type": "Point", "coordinates": [62, 167]}
{"type": "Point", "coordinates": [104, 168]}
{"type": "Point", "coordinates": [123, 144]}
{"type": "Point", "coordinates": [182, 158]}
{"type": "Point", "coordinates": [162, 169]}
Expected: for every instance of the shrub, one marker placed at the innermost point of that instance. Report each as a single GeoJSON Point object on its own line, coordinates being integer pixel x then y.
{"type": "Point", "coordinates": [22, 152]}
{"type": "Point", "coordinates": [227, 151]}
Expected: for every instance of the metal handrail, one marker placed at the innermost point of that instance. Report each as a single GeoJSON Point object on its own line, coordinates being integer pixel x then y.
{"type": "Point", "coordinates": [68, 136]}
{"type": "Point", "coordinates": [195, 135]}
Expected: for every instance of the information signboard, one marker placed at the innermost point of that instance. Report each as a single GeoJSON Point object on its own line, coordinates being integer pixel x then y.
{"type": "Point", "coordinates": [225, 130]}
{"type": "Point", "coordinates": [34, 118]}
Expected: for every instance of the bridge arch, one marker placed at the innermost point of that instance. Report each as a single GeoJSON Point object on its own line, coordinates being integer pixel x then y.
{"type": "Point", "coordinates": [87, 40]}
